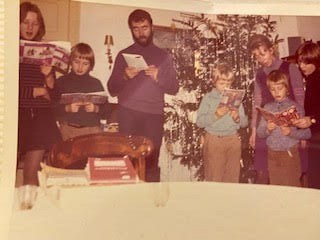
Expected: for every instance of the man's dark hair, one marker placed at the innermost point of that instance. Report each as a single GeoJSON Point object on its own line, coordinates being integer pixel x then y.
{"type": "Point", "coordinates": [139, 15]}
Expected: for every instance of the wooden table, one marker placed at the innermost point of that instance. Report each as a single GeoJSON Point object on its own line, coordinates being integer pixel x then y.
{"type": "Point", "coordinates": [69, 153]}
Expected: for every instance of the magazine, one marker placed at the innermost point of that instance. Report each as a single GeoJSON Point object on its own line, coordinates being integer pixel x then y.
{"type": "Point", "coordinates": [39, 53]}
{"type": "Point", "coordinates": [135, 60]}
{"type": "Point", "coordinates": [91, 97]}
{"type": "Point", "coordinates": [231, 98]}
{"type": "Point", "coordinates": [283, 118]}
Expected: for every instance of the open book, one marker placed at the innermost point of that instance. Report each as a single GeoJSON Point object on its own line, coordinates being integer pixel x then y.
{"type": "Point", "coordinates": [135, 60]}
{"type": "Point", "coordinates": [283, 118]}
{"type": "Point", "coordinates": [39, 53]}
{"type": "Point", "coordinates": [52, 176]}
{"type": "Point", "coordinates": [92, 97]}
{"type": "Point", "coordinates": [232, 98]}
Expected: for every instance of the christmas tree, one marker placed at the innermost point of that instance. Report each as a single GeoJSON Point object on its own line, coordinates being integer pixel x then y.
{"type": "Point", "coordinates": [203, 42]}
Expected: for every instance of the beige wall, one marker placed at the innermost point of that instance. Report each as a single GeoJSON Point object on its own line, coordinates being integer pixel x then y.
{"type": "Point", "coordinates": [309, 27]}
{"type": "Point", "coordinates": [97, 20]}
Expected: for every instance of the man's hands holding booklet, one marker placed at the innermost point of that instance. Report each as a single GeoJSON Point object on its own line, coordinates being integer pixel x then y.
{"type": "Point", "coordinates": [152, 71]}
{"type": "Point", "coordinates": [137, 63]}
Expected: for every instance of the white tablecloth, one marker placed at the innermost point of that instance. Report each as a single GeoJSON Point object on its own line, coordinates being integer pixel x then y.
{"type": "Point", "coordinates": [194, 210]}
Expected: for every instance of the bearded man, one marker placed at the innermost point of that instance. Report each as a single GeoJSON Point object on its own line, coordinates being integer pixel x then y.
{"type": "Point", "coordinates": [141, 92]}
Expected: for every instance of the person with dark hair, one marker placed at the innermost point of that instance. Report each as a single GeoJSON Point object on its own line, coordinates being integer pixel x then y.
{"type": "Point", "coordinates": [31, 30]}
{"type": "Point", "coordinates": [139, 15]}
{"type": "Point", "coordinates": [282, 139]}
{"type": "Point", "coordinates": [264, 52]}
{"type": "Point", "coordinates": [141, 92]}
{"type": "Point", "coordinates": [79, 118]}
{"type": "Point", "coordinates": [37, 130]}
{"type": "Point", "coordinates": [308, 58]}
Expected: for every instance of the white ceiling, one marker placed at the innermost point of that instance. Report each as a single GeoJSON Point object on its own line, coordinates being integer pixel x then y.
{"type": "Point", "coordinates": [275, 7]}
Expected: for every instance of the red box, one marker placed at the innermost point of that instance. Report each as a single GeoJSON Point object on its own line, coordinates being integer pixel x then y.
{"type": "Point", "coordinates": [111, 170]}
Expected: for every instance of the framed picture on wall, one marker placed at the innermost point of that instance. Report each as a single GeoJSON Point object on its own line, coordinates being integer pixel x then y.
{"type": "Point", "coordinates": [170, 38]}
{"type": "Point", "coordinates": [164, 37]}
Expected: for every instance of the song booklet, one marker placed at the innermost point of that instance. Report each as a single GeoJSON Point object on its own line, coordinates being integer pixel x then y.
{"type": "Point", "coordinates": [84, 98]}
{"type": "Point", "coordinates": [135, 60]}
{"type": "Point", "coordinates": [283, 118]}
{"type": "Point", "coordinates": [232, 98]}
{"type": "Point", "coordinates": [38, 53]}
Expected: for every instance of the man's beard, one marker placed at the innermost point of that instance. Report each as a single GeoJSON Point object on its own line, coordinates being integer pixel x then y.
{"type": "Point", "coordinates": [146, 41]}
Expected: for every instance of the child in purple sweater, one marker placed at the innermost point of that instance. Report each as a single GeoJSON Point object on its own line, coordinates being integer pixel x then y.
{"type": "Point", "coordinates": [282, 141]}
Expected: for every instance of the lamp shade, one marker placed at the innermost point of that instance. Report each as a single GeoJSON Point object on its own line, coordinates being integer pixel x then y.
{"type": "Point", "coordinates": [108, 40]}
